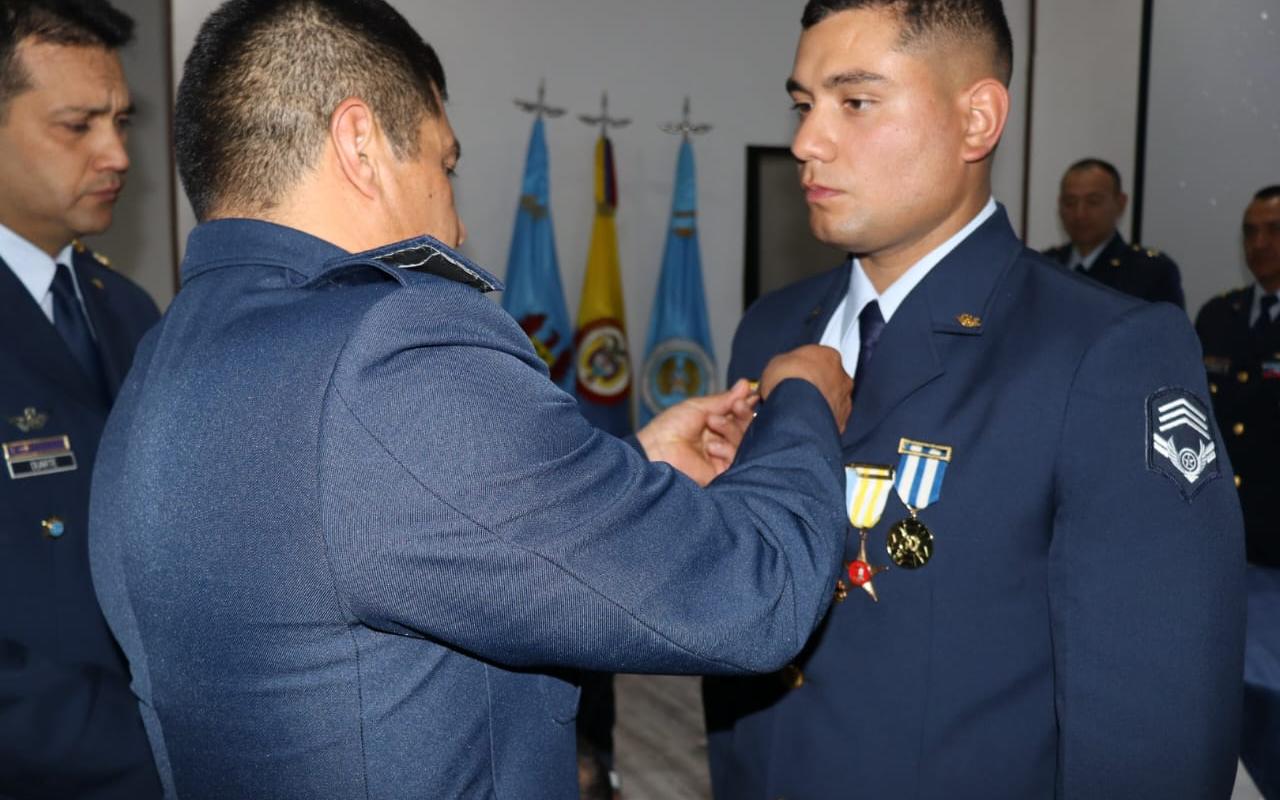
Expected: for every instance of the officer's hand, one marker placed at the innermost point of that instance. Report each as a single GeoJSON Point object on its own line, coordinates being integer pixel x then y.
{"type": "Point", "coordinates": [700, 436]}
{"type": "Point", "coordinates": [818, 365]}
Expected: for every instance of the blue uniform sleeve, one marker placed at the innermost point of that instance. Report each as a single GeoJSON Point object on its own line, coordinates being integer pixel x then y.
{"type": "Point", "coordinates": [467, 500]}
{"type": "Point", "coordinates": [1146, 576]}
{"type": "Point", "coordinates": [61, 733]}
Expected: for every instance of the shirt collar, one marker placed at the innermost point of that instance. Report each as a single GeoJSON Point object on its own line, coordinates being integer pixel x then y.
{"type": "Point", "coordinates": [32, 265]}
{"type": "Point", "coordinates": [1086, 261]}
{"type": "Point", "coordinates": [861, 292]}
{"type": "Point", "coordinates": [1255, 307]}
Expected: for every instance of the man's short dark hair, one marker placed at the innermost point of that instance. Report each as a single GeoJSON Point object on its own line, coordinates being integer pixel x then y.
{"type": "Point", "coordinates": [1098, 163]}
{"type": "Point", "coordinates": [84, 23]}
{"type": "Point", "coordinates": [1268, 193]}
{"type": "Point", "coordinates": [965, 20]}
{"type": "Point", "coordinates": [264, 78]}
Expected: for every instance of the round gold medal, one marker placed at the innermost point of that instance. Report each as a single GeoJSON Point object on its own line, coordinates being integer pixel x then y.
{"type": "Point", "coordinates": [910, 544]}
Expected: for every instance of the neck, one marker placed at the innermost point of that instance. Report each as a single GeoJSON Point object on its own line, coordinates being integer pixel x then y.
{"type": "Point", "coordinates": [1085, 248]}
{"type": "Point", "coordinates": [48, 242]}
{"type": "Point", "coordinates": [885, 267]}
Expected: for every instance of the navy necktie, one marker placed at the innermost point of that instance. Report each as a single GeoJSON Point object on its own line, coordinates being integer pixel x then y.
{"type": "Point", "coordinates": [870, 326]}
{"type": "Point", "coordinates": [1264, 319]}
{"type": "Point", "coordinates": [70, 323]}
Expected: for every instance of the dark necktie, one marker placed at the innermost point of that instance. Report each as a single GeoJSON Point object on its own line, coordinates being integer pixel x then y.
{"type": "Point", "coordinates": [71, 325]}
{"type": "Point", "coordinates": [870, 326]}
{"type": "Point", "coordinates": [1264, 319]}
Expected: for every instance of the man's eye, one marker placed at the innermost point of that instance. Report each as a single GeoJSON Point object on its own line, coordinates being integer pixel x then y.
{"type": "Point", "coordinates": [856, 104]}
{"type": "Point", "coordinates": [801, 108]}
{"type": "Point", "coordinates": [124, 123]}
{"type": "Point", "coordinates": [76, 127]}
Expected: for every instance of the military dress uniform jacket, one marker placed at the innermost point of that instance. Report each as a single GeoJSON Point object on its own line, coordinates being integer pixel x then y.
{"type": "Point", "coordinates": [351, 536]}
{"type": "Point", "coordinates": [1078, 632]}
{"type": "Point", "coordinates": [1132, 269]}
{"type": "Point", "coordinates": [69, 726]}
{"type": "Point", "coordinates": [1244, 379]}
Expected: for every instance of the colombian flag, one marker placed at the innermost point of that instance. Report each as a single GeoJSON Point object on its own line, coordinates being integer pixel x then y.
{"type": "Point", "coordinates": [602, 359]}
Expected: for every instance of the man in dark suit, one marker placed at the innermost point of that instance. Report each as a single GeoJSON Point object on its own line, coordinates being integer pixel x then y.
{"type": "Point", "coordinates": [69, 725]}
{"type": "Point", "coordinates": [1090, 205]}
{"type": "Point", "coordinates": [1241, 341]}
{"type": "Point", "coordinates": [351, 536]}
{"type": "Point", "coordinates": [1043, 595]}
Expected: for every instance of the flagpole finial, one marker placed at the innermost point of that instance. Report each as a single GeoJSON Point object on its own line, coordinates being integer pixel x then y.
{"type": "Point", "coordinates": [540, 107]}
{"type": "Point", "coordinates": [604, 120]}
{"type": "Point", "coordinates": [686, 127]}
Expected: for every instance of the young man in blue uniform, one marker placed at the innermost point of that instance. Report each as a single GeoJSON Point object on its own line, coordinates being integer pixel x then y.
{"type": "Point", "coordinates": [69, 726]}
{"type": "Point", "coordinates": [349, 533]}
{"type": "Point", "coordinates": [1090, 205]}
{"type": "Point", "coordinates": [1044, 590]}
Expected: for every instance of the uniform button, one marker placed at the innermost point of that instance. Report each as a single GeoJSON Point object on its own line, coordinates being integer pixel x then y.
{"type": "Point", "coordinates": [1238, 480]}
{"type": "Point", "coordinates": [1238, 430]}
{"type": "Point", "coordinates": [1213, 388]}
{"type": "Point", "coordinates": [53, 527]}
{"type": "Point", "coordinates": [1243, 377]}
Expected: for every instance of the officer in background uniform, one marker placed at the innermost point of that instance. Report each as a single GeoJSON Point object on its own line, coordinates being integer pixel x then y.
{"type": "Point", "coordinates": [69, 725]}
{"type": "Point", "coordinates": [1090, 205]}
{"type": "Point", "coordinates": [1240, 334]}
{"type": "Point", "coordinates": [1241, 339]}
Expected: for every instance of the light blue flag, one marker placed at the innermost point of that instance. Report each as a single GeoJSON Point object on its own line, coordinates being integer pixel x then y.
{"type": "Point", "coordinates": [679, 361]}
{"type": "Point", "coordinates": [534, 295]}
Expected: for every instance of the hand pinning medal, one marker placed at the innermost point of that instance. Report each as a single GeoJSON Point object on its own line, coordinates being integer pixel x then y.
{"type": "Point", "coordinates": [866, 493]}
{"type": "Point", "coordinates": [919, 484]}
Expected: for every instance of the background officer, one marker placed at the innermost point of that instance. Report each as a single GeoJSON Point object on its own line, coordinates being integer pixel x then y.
{"type": "Point", "coordinates": [69, 725]}
{"type": "Point", "coordinates": [1241, 341]}
{"type": "Point", "coordinates": [1090, 205]}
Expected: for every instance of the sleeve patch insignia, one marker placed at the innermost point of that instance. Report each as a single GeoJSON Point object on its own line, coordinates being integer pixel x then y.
{"type": "Point", "coordinates": [1180, 440]}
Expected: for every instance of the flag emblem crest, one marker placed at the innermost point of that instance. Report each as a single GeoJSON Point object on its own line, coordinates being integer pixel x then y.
{"type": "Point", "coordinates": [1181, 443]}
{"type": "Point", "coordinates": [604, 367]}
{"type": "Point", "coordinates": [677, 370]}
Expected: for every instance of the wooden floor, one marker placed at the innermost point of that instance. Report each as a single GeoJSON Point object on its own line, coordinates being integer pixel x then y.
{"type": "Point", "coordinates": [660, 744]}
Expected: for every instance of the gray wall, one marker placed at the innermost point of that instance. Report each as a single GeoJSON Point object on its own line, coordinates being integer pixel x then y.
{"type": "Point", "coordinates": [140, 243]}
{"type": "Point", "coordinates": [1214, 136]}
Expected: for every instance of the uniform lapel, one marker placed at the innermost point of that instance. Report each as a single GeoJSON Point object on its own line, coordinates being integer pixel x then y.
{"type": "Point", "coordinates": [954, 300]}
{"type": "Point", "coordinates": [815, 318]}
{"type": "Point", "coordinates": [28, 334]}
{"type": "Point", "coordinates": [1114, 251]}
{"type": "Point", "coordinates": [113, 342]}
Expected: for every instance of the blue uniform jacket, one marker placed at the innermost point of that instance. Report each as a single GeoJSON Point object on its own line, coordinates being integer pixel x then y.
{"type": "Point", "coordinates": [69, 726]}
{"type": "Point", "coordinates": [1079, 630]}
{"type": "Point", "coordinates": [352, 538]}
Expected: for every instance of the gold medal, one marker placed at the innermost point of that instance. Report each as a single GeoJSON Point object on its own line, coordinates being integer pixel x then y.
{"type": "Point", "coordinates": [867, 489]}
{"type": "Point", "coordinates": [910, 544]}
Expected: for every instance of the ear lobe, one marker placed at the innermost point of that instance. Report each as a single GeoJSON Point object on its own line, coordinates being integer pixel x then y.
{"type": "Point", "coordinates": [987, 114]}
{"type": "Point", "coordinates": [352, 131]}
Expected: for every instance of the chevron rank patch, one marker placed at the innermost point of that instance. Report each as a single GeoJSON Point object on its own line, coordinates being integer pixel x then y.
{"type": "Point", "coordinates": [1180, 440]}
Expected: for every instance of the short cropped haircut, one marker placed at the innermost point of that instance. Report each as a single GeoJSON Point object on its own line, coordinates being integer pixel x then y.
{"type": "Point", "coordinates": [965, 20]}
{"type": "Point", "coordinates": [1268, 193]}
{"type": "Point", "coordinates": [1098, 163]}
{"type": "Point", "coordinates": [263, 80]}
{"type": "Point", "coordinates": [83, 23]}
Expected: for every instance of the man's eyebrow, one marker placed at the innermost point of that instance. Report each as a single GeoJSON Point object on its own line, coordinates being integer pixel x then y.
{"type": "Point", "coordinates": [854, 76]}
{"type": "Point", "coordinates": [97, 111]}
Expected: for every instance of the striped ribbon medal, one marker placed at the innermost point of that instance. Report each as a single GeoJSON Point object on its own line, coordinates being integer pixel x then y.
{"type": "Point", "coordinates": [919, 482]}
{"type": "Point", "coordinates": [867, 488]}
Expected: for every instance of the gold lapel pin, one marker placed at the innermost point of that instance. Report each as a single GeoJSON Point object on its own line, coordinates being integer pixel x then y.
{"type": "Point", "coordinates": [969, 321]}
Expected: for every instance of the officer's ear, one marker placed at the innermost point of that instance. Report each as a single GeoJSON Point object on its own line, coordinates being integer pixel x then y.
{"type": "Point", "coordinates": [987, 112]}
{"type": "Point", "coordinates": [354, 136]}
{"type": "Point", "coordinates": [1123, 200]}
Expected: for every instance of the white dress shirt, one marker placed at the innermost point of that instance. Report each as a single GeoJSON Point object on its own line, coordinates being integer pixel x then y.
{"type": "Point", "coordinates": [1085, 262]}
{"type": "Point", "coordinates": [1255, 309]}
{"type": "Point", "coordinates": [35, 270]}
{"type": "Point", "coordinates": [842, 331]}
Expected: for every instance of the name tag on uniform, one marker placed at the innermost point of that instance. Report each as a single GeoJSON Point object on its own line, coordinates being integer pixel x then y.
{"type": "Point", "coordinates": [35, 457]}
